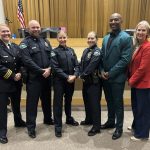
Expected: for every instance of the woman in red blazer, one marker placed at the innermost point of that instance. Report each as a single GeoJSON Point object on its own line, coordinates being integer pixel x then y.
{"type": "Point", "coordinates": [139, 80]}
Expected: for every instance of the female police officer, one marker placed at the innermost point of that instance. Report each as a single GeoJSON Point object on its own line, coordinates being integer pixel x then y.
{"type": "Point", "coordinates": [10, 81]}
{"type": "Point", "coordinates": [91, 84]}
{"type": "Point", "coordinates": [65, 70]}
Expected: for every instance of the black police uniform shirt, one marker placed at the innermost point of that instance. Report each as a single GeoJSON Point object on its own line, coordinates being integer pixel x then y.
{"type": "Point", "coordinates": [10, 64]}
{"type": "Point", "coordinates": [36, 55]}
{"type": "Point", "coordinates": [64, 62]}
{"type": "Point", "coordinates": [89, 61]}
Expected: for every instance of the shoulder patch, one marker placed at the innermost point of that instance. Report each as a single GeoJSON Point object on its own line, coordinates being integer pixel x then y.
{"type": "Point", "coordinates": [52, 54]}
{"type": "Point", "coordinates": [22, 45]}
{"type": "Point", "coordinates": [96, 53]}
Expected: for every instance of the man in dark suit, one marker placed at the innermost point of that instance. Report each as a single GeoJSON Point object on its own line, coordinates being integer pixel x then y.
{"type": "Point", "coordinates": [116, 53]}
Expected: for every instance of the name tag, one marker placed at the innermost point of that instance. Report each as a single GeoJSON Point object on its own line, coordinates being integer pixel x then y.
{"type": "Point", "coordinates": [33, 47]}
{"type": "Point", "coordinates": [5, 56]}
{"type": "Point", "coordinates": [46, 44]}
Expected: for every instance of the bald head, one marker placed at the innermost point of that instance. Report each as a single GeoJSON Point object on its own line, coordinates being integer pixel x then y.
{"type": "Point", "coordinates": [34, 28]}
{"type": "Point", "coordinates": [116, 15]}
{"type": "Point", "coordinates": [115, 22]}
{"type": "Point", "coordinates": [33, 22]}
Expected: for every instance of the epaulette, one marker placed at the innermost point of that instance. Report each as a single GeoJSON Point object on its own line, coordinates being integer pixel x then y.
{"type": "Point", "coordinates": [14, 44]}
{"type": "Point", "coordinates": [56, 48]}
{"type": "Point", "coordinates": [46, 40]}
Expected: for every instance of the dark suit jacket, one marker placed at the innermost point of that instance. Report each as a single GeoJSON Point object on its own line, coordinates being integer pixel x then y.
{"type": "Point", "coordinates": [116, 58]}
{"type": "Point", "coordinates": [140, 67]}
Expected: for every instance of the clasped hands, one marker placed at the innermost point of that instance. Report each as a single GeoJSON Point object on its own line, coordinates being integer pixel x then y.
{"type": "Point", "coordinates": [71, 78]}
{"type": "Point", "coordinates": [47, 72]}
{"type": "Point", "coordinates": [104, 75]}
{"type": "Point", "coordinates": [17, 76]}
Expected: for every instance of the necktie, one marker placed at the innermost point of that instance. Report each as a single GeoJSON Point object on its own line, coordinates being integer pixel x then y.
{"type": "Point", "coordinates": [8, 46]}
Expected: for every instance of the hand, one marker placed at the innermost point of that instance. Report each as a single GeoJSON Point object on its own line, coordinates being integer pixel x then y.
{"type": "Point", "coordinates": [130, 83]}
{"type": "Point", "coordinates": [47, 72]}
{"type": "Point", "coordinates": [104, 75]}
{"type": "Point", "coordinates": [17, 76]}
{"type": "Point", "coordinates": [71, 78]}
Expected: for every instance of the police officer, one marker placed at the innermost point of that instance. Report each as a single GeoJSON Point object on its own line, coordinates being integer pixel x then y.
{"type": "Point", "coordinates": [36, 58]}
{"type": "Point", "coordinates": [65, 69]}
{"type": "Point", "coordinates": [10, 81]}
{"type": "Point", "coordinates": [91, 84]}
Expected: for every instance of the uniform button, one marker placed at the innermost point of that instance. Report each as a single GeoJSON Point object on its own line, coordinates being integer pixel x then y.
{"type": "Point", "coordinates": [6, 61]}
{"type": "Point", "coordinates": [15, 63]}
{"type": "Point", "coordinates": [15, 69]}
{"type": "Point", "coordinates": [14, 57]}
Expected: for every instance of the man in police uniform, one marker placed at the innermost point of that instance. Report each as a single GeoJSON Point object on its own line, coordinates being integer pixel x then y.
{"type": "Point", "coordinates": [36, 58]}
{"type": "Point", "coordinates": [10, 81]}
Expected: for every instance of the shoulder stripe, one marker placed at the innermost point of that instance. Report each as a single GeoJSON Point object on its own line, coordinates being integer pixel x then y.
{"type": "Point", "coordinates": [7, 74]}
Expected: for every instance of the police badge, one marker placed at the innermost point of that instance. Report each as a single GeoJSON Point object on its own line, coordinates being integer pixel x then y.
{"type": "Point", "coordinates": [46, 44]}
{"type": "Point", "coordinates": [52, 54]}
{"type": "Point", "coordinates": [89, 55]}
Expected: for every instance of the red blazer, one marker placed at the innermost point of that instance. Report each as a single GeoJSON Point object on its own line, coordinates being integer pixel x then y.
{"type": "Point", "coordinates": [140, 67]}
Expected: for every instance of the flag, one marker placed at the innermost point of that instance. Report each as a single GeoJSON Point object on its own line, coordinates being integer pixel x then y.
{"type": "Point", "coordinates": [20, 14]}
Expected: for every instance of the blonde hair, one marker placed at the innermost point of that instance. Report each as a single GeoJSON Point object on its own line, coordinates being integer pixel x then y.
{"type": "Point", "coordinates": [146, 24]}
{"type": "Point", "coordinates": [3, 25]}
{"type": "Point", "coordinates": [61, 32]}
{"type": "Point", "coordinates": [96, 36]}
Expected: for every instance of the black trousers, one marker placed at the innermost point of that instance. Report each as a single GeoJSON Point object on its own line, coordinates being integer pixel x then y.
{"type": "Point", "coordinates": [91, 97]}
{"type": "Point", "coordinates": [133, 95]}
{"type": "Point", "coordinates": [38, 88]}
{"type": "Point", "coordinates": [62, 89]}
{"type": "Point", "coordinates": [114, 98]}
{"type": "Point", "coordinates": [15, 98]}
{"type": "Point", "coordinates": [140, 100]}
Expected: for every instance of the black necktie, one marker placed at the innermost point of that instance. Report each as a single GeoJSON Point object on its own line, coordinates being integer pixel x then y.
{"type": "Point", "coordinates": [111, 38]}
{"type": "Point", "coordinates": [9, 46]}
